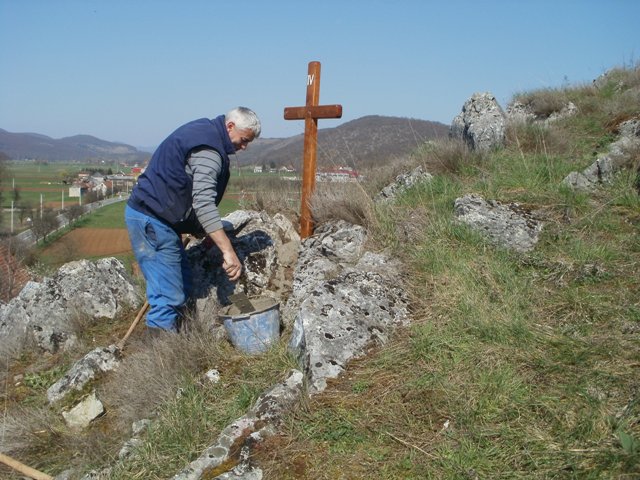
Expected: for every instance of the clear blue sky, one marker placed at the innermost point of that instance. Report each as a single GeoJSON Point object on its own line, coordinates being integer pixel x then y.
{"type": "Point", "coordinates": [134, 70]}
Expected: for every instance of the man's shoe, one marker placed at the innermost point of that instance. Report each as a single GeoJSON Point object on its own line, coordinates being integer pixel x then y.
{"type": "Point", "coordinates": [153, 333]}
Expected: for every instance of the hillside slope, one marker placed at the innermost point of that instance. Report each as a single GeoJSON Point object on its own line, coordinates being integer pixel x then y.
{"type": "Point", "coordinates": [363, 143]}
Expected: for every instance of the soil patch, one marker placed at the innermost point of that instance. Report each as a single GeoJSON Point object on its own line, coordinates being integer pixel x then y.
{"type": "Point", "coordinates": [91, 242]}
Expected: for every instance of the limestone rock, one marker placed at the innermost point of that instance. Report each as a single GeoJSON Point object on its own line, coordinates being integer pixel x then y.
{"type": "Point", "coordinates": [267, 248]}
{"type": "Point", "coordinates": [343, 304]}
{"type": "Point", "coordinates": [401, 183]}
{"type": "Point", "coordinates": [518, 112]}
{"type": "Point", "coordinates": [99, 289]}
{"type": "Point", "coordinates": [481, 124]}
{"type": "Point", "coordinates": [322, 256]}
{"type": "Point", "coordinates": [603, 170]}
{"type": "Point", "coordinates": [84, 370]}
{"type": "Point", "coordinates": [249, 429]}
{"type": "Point", "coordinates": [568, 110]}
{"type": "Point", "coordinates": [506, 225]}
{"type": "Point", "coordinates": [45, 310]}
{"type": "Point", "coordinates": [87, 410]}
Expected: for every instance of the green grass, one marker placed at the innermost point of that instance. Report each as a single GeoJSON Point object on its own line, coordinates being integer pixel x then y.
{"type": "Point", "coordinates": [110, 216]}
{"type": "Point", "coordinates": [33, 180]}
{"type": "Point", "coordinates": [188, 423]}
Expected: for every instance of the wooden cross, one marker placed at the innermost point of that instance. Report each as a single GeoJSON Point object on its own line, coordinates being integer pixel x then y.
{"type": "Point", "coordinates": [310, 113]}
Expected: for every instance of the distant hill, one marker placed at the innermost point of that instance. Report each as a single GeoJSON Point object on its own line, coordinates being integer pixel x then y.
{"type": "Point", "coordinates": [79, 148]}
{"type": "Point", "coordinates": [362, 143]}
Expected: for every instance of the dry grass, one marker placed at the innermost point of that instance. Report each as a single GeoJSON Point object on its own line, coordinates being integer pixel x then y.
{"type": "Point", "coordinates": [543, 103]}
{"type": "Point", "coordinates": [162, 379]}
{"type": "Point", "coordinates": [152, 371]}
{"type": "Point", "coordinates": [270, 194]}
{"type": "Point", "coordinates": [536, 139]}
{"type": "Point", "coordinates": [447, 156]}
{"type": "Point", "coordinates": [343, 201]}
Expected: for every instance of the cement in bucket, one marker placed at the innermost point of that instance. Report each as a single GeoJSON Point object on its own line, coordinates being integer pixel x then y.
{"type": "Point", "coordinates": [253, 332]}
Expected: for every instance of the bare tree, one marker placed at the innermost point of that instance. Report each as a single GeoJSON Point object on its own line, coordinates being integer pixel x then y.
{"type": "Point", "coordinates": [25, 210]}
{"type": "Point", "coordinates": [15, 257]}
{"type": "Point", "coordinates": [74, 212]}
{"type": "Point", "coordinates": [43, 226]}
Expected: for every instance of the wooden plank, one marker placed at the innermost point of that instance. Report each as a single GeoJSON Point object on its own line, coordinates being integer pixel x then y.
{"type": "Point", "coordinates": [313, 111]}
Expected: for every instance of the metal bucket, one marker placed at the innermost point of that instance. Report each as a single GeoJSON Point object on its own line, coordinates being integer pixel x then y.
{"type": "Point", "coordinates": [256, 331]}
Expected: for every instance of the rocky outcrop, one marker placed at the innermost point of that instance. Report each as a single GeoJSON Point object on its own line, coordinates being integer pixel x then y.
{"type": "Point", "coordinates": [83, 371]}
{"type": "Point", "coordinates": [481, 124]}
{"type": "Point", "coordinates": [344, 301]}
{"type": "Point", "coordinates": [401, 183]}
{"type": "Point", "coordinates": [266, 246]}
{"type": "Point", "coordinates": [44, 310]}
{"type": "Point", "coordinates": [509, 226]}
{"type": "Point", "coordinates": [605, 167]}
{"type": "Point", "coordinates": [340, 301]}
{"type": "Point", "coordinates": [518, 112]}
{"type": "Point", "coordinates": [234, 442]}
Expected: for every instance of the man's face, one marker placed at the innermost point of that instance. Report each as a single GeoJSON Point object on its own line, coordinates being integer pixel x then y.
{"type": "Point", "coordinates": [239, 138]}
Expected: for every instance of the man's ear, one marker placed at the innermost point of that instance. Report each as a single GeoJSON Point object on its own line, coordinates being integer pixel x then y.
{"type": "Point", "coordinates": [230, 125]}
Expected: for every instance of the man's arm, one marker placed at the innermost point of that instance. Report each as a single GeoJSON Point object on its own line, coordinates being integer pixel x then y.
{"type": "Point", "coordinates": [205, 166]}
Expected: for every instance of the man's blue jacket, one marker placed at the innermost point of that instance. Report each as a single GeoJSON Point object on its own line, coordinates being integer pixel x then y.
{"type": "Point", "coordinates": [164, 190]}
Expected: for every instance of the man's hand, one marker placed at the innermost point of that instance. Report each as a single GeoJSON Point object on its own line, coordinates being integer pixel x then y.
{"type": "Point", "coordinates": [230, 261]}
{"type": "Point", "coordinates": [231, 264]}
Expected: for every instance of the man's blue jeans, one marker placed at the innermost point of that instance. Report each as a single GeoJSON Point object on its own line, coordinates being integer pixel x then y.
{"type": "Point", "coordinates": [161, 257]}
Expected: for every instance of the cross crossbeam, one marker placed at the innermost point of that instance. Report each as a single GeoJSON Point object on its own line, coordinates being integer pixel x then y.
{"type": "Point", "coordinates": [310, 113]}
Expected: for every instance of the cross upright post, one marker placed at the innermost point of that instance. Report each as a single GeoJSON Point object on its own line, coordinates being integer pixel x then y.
{"type": "Point", "coordinates": [310, 113]}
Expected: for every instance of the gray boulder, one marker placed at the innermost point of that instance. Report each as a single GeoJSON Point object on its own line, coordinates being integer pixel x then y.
{"type": "Point", "coordinates": [481, 124]}
{"type": "Point", "coordinates": [347, 301]}
{"type": "Point", "coordinates": [84, 370]}
{"type": "Point", "coordinates": [518, 112]}
{"type": "Point", "coordinates": [598, 173]}
{"type": "Point", "coordinates": [568, 110]}
{"type": "Point", "coordinates": [45, 310]}
{"type": "Point", "coordinates": [506, 225]}
{"type": "Point", "coordinates": [323, 256]}
{"type": "Point", "coordinates": [401, 183]}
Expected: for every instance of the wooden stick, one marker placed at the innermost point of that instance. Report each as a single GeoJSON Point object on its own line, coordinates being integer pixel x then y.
{"type": "Point", "coordinates": [141, 313]}
{"type": "Point", "coordinates": [22, 468]}
{"type": "Point", "coordinates": [410, 445]}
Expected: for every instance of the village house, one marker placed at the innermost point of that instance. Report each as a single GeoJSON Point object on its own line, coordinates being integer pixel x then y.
{"type": "Point", "coordinates": [287, 169]}
{"type": "Point", "coordinates": [337, 174]}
